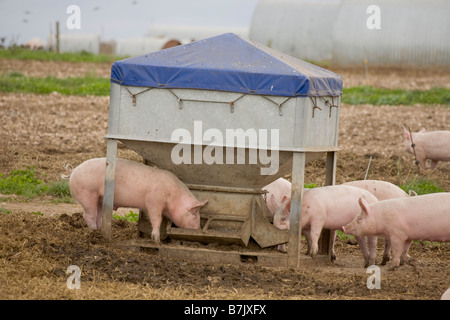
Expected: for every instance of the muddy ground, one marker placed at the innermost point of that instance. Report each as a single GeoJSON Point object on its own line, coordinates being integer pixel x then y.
{"type": "Point", "coordinates": [52, 131]}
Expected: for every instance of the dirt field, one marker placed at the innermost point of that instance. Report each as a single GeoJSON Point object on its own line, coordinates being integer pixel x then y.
{"type": "Point", "coordinates": [51, 131]}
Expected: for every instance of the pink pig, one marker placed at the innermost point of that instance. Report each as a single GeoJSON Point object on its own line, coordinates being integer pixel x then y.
{"type": "Point", "coordinates": [158, 192]}
{"type": "Point", "coordinates": [277, 190]}
{"type": "Point", "coordinates": [433, 145]}
{"type": "Point", "coordinates": [425, 217]}
{"type": "Point", "coordinates": [382, 190]}
{"type": "Point", "coordinates": [326, 207]}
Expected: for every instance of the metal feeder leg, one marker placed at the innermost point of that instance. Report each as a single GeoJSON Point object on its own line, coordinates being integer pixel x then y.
{"type": "Point", "coordinates": [298, 178]}
{"type": "Point", "coordinates": [108, 198]}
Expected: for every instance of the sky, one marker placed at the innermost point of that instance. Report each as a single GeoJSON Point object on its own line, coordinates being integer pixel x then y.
{"type": "Point", "coordinates": [21, 20]}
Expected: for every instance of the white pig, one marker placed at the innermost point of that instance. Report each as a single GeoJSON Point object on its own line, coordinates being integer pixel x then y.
{"type": "Point", "coordinates": [158, 192]}
{"type": "Point", "coordinates": [446, 295]}
{"type": "Point", "coordinates": [276, 191]}
{"type": "Point", "coordinates": [382, 190]}
{"type": "Point", "coordinates": [433, 145]}
{"type": "Point", "coordinates": [326, 207]}
{"type": "Point", "coordinates": [425, 217]}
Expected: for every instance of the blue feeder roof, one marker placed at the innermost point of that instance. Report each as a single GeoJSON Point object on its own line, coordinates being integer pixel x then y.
{"type": "Point", "coordinates": [227, 63]}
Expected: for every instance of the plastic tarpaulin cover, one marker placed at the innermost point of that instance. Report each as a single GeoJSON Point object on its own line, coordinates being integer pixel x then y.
{"type": "Point", "coordinates": [227, 63]}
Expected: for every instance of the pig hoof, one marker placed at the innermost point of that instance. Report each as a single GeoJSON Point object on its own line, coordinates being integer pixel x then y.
{"type": "Point", "coordinates": [156, 239]}
{"type": "Point", "coordinates": [392, 268]}
{"type": "Point", "coordinates": [333, 257]}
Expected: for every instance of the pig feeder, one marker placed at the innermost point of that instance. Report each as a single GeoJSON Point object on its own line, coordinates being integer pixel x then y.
{"type": "Point", "coordinates": [211, 112]}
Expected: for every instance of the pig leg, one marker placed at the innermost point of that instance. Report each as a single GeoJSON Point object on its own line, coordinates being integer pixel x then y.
{"type": "Point", "coordinates": [155, 216]}
{"type": "Point", "coordinates": [363, 247]}
{"type": "Point", "coordinates": [307, 234]}
{"type": "Point", "coordinates": [372, 241]}
{"type": "Point", "coordinates": [398, 246]}
{"type": "Point", "coordinates": [315, 232]}
{"type": "Point", "coordinates": [89, 205]}
{"type": "Point", "coordinates": [433, 164]}
{"type": "Point", "coordinates": [333, 240]}
{"type": "Point", "coordinates": [99, 214]}
{"type": "Point", "coordinates": [406, 258]}
{"type": "Point", "coordinates": [387, 251]}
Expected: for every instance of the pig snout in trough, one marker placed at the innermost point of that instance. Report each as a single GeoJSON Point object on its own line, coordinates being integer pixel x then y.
{"type": "Point", "coordinates": [326, 207]}
{"type": "Point", "coordinates": [433, 145]}
{"type": "Point", "coordinates": [157, 192]}
{"type": "Point", "coordinates": [425, 217]}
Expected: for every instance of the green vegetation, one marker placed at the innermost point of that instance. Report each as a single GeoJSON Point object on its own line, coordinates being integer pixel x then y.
{"type": "Point", "coordinates": [16, 82]}
{"type": "Point", "coordinates": [60, 191]}
{"type": "Point", "coordinates": [130, 217]}
{"type": "Point", "coordinates": [310, 185]}
{"type": "Point", "coordinates": [421, 186]}
{"type": "Point", "coordinates": [91, 85]}
{"type": "Point", "coordinates": [26, 54]}
{"type": "Point", "coordinates": [25, 183]}
{"type": "Point", "coordinates": [382, 96]}
{"type": "Point", "coordinates": [4, 211]}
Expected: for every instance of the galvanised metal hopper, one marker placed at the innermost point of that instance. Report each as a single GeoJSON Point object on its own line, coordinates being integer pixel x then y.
{"type": "Point", "coordinates": [227, 116]}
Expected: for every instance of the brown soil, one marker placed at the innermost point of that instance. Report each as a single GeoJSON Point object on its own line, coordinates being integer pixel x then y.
{"type": "Point", "coordinates": [52, 131]}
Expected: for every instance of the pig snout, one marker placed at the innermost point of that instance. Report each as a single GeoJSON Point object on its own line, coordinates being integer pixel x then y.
{"type": "Point", "coordinates": [282, 214]}
{"type": "Point", "coordinates": [356, 226]}
{"type": "Point", "coordinates": [190, 217]}
{"type": "Point", "coordinates": [349, 229]}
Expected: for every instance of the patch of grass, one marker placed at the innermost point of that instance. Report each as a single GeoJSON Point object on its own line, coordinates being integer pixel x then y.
{"type": "Point", "coordinates": [5, 211]}
{"type": "Point", "coordinates": [26, 183]}
{"type": "Point", "coordinates": [83, 56]}
{"type": "Point", "coordinates": [61, 191]}
{"type": "Point", "coordinates": [130, 217]}
{"type": "Point", "coordinates": [23, 182]}
{"type": "Point", "coordinates": [343, 236]}
{"type": "Point", "coordinates": [16, 82]}
{"type": "Point", "coordinates": [421, 186]}
{"type": "Point", "coordinates": [382, 96]}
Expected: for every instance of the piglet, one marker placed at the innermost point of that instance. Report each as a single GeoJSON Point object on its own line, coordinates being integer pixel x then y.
{"type": "Point", "coordinates": [158, 192]}
{"type": "Point", "coordinates": [433, 145]}
{"type": "Point", "coordinates": [446, 295]}
{"type": "Point", "coordinates": [326, 207]}
{"type": "Point", "coordinates": [425, 217]}
{"type": "Point", "coordinates": [276, 191]}
{"type": "Point", "coordinates": [382, 190]}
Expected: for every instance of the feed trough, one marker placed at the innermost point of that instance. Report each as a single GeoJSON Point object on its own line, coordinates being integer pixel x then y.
{"type": "Point", "coordinates": [227, 116]}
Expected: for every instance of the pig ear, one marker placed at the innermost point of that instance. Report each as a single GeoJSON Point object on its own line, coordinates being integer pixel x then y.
{"type": "Point", "coordinates": [288, 204]}
{"type": "Point", "coordinates": [272, 201]}
{"type": "Point", "coordinates": [364, 205]}
{"type": "Point", "coordinates": [406, 134]}
{"type": "Point", "coordinates": [199, 204]}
